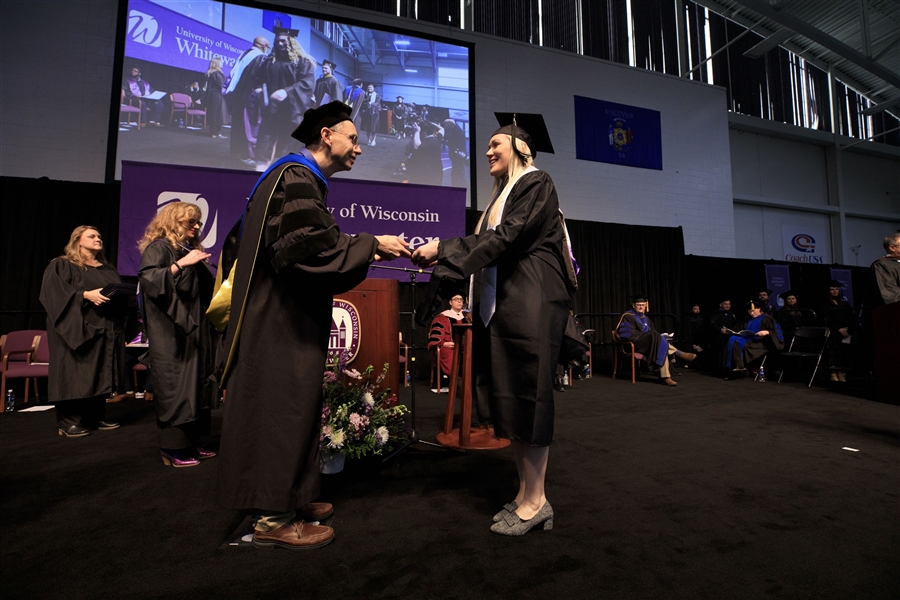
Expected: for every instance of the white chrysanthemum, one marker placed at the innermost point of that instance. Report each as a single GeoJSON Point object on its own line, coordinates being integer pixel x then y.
{"type": "Point", "coordinates": [368, 399]}
{"type": "Point", "coordinates": [382, 434]}
{"type": "Point", "coordinates": [337, 439]}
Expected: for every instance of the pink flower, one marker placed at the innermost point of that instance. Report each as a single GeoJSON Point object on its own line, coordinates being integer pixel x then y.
{"type": "Point", "coordinates": [353, 373]}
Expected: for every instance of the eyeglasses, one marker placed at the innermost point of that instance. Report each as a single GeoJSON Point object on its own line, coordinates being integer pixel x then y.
{"type": "Point", "coordinates": [191, 223]}
{"type": "Point", "coordinates": [354, 139]}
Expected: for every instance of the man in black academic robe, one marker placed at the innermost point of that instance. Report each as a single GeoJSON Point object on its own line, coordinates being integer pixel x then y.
{"type": "Point", "coordinates": [292, 259]}
{"type": "Point", "coordinates": [245, 102]}
{"type": "Point", "coordinates": [328, 88]}
{"type": "Point", "coordinates": [635, 327]}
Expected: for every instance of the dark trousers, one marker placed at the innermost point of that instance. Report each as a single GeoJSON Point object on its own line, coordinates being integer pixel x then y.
{"type": "Point", "coordinates": [184, 435]}
{"type": "Point", "coordinates": [86, 412]}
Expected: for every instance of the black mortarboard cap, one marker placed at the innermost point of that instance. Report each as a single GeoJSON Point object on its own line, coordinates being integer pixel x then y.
{"type": "Point", "coordinates": [314, 119]}
{"type": "Point", "coordinates": [282, 31]}
{"type": "Point", "coordinates": [724, 299]}
{"type": "Point", "coordinates": [784, 295]}
{"type": "Point", "coordinates": [751, 305]}
{"type": "Point", "coordinates": [328, 62]}
{"type": "Point", "coordinates": [835, 283]}
{"type": "Point", "coordinates": [639, 298]}
{"type": "Point", "coordinates": [528, 127]}
{"type": "Point", "coordinates": [765, 289]}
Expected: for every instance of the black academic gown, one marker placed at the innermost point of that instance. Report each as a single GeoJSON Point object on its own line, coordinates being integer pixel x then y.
{"type": "Point", "coordinates": [280, 118]}
{"type": "Point", "coordinates": [330, 86]}
{"type": "Point", "coordinates": [182, 343]}
{"type": "Point", "coordinates": [215, 102]}
{"type": "Point", "coordinates": [268, 457]}
{"type": "Point", "coordinates": [754, 348]}
{"type": "Point", "coordinates": [515, 356]}
{"type": "Point", "coordinates": [87, 342]}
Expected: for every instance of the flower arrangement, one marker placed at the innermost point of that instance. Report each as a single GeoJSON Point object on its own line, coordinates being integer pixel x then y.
{"type": "Point", "coordinates": [358, 419]}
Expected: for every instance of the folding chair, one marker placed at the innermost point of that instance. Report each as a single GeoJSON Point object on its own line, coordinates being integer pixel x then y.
{"type": "Point", "coordinates": [808, 343]}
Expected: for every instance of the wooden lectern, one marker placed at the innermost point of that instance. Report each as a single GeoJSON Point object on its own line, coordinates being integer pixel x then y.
{"type": "Point", "coordinates": [464, 437]}
{"type": "Point", "coordinates": [378, 304]}
{"type": "Point", "coordinates": [886, 321]}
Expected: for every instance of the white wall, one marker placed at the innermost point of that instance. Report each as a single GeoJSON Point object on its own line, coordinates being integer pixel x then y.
{"type": "Point", "coordinates": [693, 189]}
{"type": "Point", "coordinates": [780, 169]}
{"type": "Point", "coordinates": [797, 177]}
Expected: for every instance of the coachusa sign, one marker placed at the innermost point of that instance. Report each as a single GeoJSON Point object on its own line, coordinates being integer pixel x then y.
{"type": "Point", "coordinates": [415, 213]}
{"type": "Point", "coordinates": [803, 244]}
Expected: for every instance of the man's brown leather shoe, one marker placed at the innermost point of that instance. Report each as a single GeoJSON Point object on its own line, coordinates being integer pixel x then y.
{"type": "Point", "coordinates": [315, 511]}
{"type": "Point", "coordinates": [687, 356]}
{"type": "Point", "coordinates": [294, 536]}
{"type": "Point", "coordinates": [669, 381]}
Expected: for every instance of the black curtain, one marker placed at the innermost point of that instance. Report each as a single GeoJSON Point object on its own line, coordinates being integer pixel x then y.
{"type": "Point", "coordinates": [38, 217]}
{"type": "Point", "coordinates": [711, 279]}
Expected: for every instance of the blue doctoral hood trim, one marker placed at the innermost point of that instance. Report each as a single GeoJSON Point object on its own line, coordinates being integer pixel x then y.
{"type": "Point", "coordinates": [304, 158]}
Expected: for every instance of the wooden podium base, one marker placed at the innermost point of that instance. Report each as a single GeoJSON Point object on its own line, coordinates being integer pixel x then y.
{"type": "Point", "coordinates": [464, 437]}
{"type": "Point", "coordinates": [479, 439]}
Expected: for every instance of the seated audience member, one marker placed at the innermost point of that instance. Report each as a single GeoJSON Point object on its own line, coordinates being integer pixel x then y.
{"type": "Point", "coordinates": [721, 320]}
{"type": "Point", "coordinates": [789, 316]}
{"type": "Point", "coordinates": [195, 92]}
{"type": "Point", "coordinates": [740, 351]}
{"type": "Point", "coordinates": [635, 327]}
{"type": "Point", "coordinates": [695, 330]}
{"type": "Point", "coordinates": [441, 336]}
{"type": "Point", "coordinates": [135, 87]}
{"type": "Point", "coordinates": [837, 314]}
{"type": "Point", "coordinates": [762, 300]}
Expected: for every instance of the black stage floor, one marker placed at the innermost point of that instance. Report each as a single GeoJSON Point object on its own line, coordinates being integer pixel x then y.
{"type": "Point", "coordinates": [710, 490]}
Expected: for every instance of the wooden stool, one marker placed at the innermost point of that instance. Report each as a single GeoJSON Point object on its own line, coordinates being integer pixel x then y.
{"type": "Point", "coordinates": [464, 437]}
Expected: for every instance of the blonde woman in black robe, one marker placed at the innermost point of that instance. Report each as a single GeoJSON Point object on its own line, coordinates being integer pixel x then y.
{"type": "Point", "coordinates": [175, 290]}
{"type": "Point", "coordinates": [85, 333]}
{"type": "Point", "coordinates": [521, 289]}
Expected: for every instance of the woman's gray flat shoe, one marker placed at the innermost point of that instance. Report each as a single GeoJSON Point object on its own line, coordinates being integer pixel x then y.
{"type": "Point", "coordinates": [511, 524]}
{"type": "Point", "coordinates": [507, 508]}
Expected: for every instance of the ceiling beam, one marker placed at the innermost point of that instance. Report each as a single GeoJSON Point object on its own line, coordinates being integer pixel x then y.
{"type": "Point", "coordinates": [740, 19]}
{"type": "Point", "coordinates": [820, 37]}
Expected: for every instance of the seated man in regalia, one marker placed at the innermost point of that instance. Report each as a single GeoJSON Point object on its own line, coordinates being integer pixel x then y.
{"type": "Point", "coordinates": [635, 327]}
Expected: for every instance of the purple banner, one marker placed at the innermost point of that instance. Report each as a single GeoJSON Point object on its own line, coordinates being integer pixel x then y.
{"type": "Point", "coordinates": [843, 275]}
{"type": "Point", "coordinates": [416, 213]}
{"type": "Point", "coordinates": [159, 35]}
{"type": "Point", "coordinates": [778, 279]}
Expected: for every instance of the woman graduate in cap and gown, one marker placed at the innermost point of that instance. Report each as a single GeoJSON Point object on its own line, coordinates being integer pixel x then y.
{"type": "Point", "coordinates": [523, 278]}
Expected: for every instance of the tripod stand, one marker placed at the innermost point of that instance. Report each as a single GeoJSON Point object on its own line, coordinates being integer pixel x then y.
{"type": "Point", "coordinates": [413, 436]}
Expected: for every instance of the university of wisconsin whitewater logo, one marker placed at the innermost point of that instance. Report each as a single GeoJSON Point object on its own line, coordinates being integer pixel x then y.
{"type": "Point", "coordinates": [804, 243]}
{"type": "Point", "coordinates": [345, 332]}
{"type": "Point", "coordinates": [144, 29]}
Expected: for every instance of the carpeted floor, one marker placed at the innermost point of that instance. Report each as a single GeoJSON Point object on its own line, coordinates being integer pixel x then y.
{"type": "Point", "coordinates": [710, 490]}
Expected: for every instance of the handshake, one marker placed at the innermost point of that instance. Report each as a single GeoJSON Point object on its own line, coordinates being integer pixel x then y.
{"type": "Point", "coordinates": [391, 247]}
